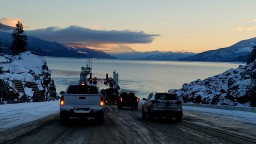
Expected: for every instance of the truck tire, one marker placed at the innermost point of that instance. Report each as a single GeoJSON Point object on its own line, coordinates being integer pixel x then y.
{"type": "Point", "coordinates": [179, 117]}
{"type": "Point", "coordinates": [63, 119]}
{"type": "Point", "coordinates": [100, 118]}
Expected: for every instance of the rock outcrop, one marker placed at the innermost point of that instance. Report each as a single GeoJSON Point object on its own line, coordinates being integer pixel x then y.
{"type": "Point", "coordinates": [234, 87]}
{"type": "Point", "coordinates": [25, 77]}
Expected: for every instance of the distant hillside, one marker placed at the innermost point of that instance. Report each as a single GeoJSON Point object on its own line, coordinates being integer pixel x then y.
{"type": "Point", "coordinates": [168, 56]}
{"type": "Point", "coordinates": [5, 27]}
{"type": "Point", "coordinates": [45, 48]}
{"type": "Point", "coordinates": [153, 55]}
{"type": "Point", "coordinates": [235, 53]}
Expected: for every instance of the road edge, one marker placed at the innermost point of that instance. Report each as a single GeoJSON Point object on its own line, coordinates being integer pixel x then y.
{"type": "Point", "coordinates": [12, 134]}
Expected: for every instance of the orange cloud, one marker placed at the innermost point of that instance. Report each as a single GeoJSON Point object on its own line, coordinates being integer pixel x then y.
{"type": "Point", "coordinates": [11, 22]}
{"type": "Point", "coordinates": [238, 29]}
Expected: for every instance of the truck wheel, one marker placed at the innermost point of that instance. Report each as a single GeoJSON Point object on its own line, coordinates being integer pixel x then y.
{"type": "Point", "coordinates": [179, 117]}
{"type": "Point", "coordinates": [100, 118]}
{"type": "Point", "coordinates": [63, 119]}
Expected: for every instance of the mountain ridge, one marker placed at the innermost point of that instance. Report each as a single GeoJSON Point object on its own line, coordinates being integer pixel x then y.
{"type": "Point", "coordinates": [46, 48]}
{"type": "Point", "coordinates": [237, 52]}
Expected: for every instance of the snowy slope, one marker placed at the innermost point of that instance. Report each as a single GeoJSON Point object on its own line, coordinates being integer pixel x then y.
{"type": "Point", "coordinates": [26, 68]}
{"type": "Point", "coordinates": [16, 114]}
{"type": "Point", "coordinates": [237, 52]}
{"type": "Point", "coordinates": [233, 87]}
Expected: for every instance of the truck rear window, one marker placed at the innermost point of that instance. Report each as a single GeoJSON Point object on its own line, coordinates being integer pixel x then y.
{"type": "Point", "coordinates": [166, 96]}
{"type": "Point", "coordinates": [82, 90]}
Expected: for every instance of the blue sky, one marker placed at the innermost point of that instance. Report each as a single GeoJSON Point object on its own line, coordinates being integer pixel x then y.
{"type": "Point", "coordinates": [181, 25]}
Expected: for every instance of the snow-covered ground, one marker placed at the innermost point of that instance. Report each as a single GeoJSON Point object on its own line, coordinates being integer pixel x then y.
{"type": "Point", "coordinates": [249, 117]}
{"type": "Point", "coordinates": [12, 115]}
{"type": "Point", "coordinates": [19, 74]}
{"type": "Point", "coordinates": [233, 87]}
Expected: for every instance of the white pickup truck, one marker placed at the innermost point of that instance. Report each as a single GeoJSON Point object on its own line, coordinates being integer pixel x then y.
{"type": "Point", "coordinates": [82, 101]}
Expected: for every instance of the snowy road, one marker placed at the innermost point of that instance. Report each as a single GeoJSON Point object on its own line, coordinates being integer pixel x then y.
{"type": "Point", "coordinates": [127, 126]}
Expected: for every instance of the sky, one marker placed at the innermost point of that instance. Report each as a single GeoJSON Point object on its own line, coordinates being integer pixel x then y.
{"type": "Point", "coordinates": [164, 25]}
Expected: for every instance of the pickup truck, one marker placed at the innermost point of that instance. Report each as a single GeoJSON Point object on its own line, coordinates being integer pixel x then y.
{"type": "Point", "coordinates": [82, 101]}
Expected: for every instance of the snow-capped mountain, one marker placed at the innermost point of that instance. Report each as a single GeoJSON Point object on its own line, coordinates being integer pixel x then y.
{"type": "Point", "coordinates": [45, 48]}
{"type": "Point", "coordinates": [235, 53]}
{"type": "Point", "coordinates": [152, 55]}
{"type": "Point", "coordinates": [233, 87]}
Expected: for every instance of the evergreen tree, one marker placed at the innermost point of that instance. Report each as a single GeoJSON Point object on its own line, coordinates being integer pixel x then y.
{"type": "Point", "coordinates": [252, 56]}
{"type": "Point", "coordinates": [19, 39]}
{"type": "Point", "coordinates": [0, 47]}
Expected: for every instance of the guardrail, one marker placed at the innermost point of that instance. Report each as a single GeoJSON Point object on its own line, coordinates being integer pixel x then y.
{"type": "Point", "coordinates": [224, 107]}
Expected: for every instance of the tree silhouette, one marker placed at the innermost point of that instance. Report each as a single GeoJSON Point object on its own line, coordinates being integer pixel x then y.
{"type": "Point", "coordinates": [252, 56]}
{"type": "Point", "coordinates": [0, 46]}
{"type": "Point", "coordinates": [19, 39]}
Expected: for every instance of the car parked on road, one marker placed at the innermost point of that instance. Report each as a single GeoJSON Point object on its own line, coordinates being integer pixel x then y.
{"type": "Point", "coordinates": [162, 105]}
{"type": "Point", "coordinates": [128, 99]}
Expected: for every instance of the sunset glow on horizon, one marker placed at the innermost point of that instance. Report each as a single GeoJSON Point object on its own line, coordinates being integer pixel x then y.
{"type": "Point", "coordinates": [146, 25]}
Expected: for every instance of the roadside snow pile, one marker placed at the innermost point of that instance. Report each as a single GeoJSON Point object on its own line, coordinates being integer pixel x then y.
{"type": "Point", "coordinates": [234, 87]}
{"type": "Point", "coordinates": [25, 77]}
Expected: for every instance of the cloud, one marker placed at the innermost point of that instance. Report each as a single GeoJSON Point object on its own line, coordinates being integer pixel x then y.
{"type": "Point", "coordinates": [9, 21]}
{"type": "Point", "coordinates": [251, 28]}
{"type": "Point", "coordinates": [238, 29]}
{"type": "Point", "coordinates": [248, 28]}
{"type": "Point", "coordinates": [80, 35]}
{"type": "Point", "coordinates": [113, 48]}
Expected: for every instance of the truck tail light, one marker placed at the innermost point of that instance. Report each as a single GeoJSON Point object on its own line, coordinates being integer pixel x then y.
{"type": "Point", "coordinates": [101, 101]}
{"type": "Point", "coordinates": [62, 100]}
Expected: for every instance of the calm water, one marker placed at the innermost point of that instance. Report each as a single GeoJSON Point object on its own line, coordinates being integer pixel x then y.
{"type": "Point", "coordinates": [142, 77]}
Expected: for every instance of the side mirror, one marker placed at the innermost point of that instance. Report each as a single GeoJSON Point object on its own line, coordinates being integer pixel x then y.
{"type": "Point", "coordinates": [62, 92]}
{"type": "Point", "coordinates": [144, 99]}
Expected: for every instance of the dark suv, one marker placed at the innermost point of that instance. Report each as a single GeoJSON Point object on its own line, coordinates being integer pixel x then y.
{"type": "Point", "coordinates": [162, 105]}
{"type": "Point", "coordinates": [111, 96]}
{"type": "Point", "coordinates": [128, 99]}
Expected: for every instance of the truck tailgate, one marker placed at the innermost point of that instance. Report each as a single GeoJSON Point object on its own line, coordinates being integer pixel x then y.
{"type": "Point", "coordinates": [82, 99]}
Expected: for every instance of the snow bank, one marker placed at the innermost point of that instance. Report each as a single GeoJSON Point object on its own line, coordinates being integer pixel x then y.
{"type": "Point", "coordinates": [24, 75]}
{"type": "Point", "coordinates": [16, 114]}
{"type": "Point", "coordinates": [234, 87]}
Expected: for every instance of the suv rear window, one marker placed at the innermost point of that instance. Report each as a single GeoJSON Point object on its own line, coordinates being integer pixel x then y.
{"type": "Point", "coordinates": [166, 96]}
{"type": "Point", "coordinates": [82, 90]}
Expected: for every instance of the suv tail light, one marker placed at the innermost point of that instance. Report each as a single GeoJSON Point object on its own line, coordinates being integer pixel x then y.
{"type": "Point", "coordinates": [121, 99]}
{"type": "Point", "coordinates": [138, 99]}
{"type": "Point", "coordinates": [62, 100]}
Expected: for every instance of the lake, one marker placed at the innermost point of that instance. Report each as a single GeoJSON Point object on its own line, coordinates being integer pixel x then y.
{"type": "Point", "coordinates": [142, 77]}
